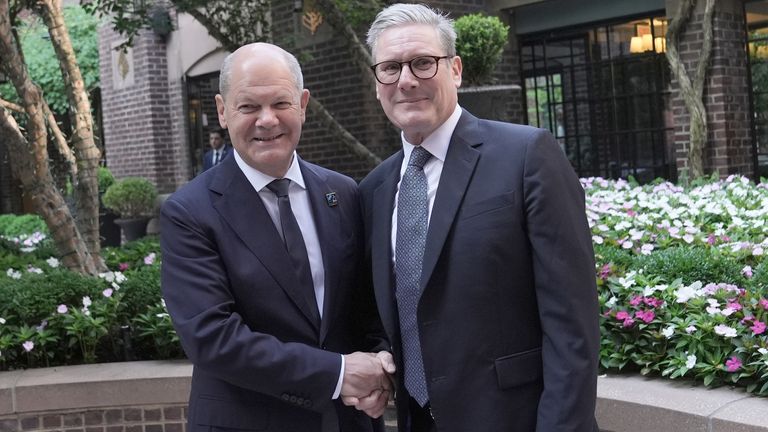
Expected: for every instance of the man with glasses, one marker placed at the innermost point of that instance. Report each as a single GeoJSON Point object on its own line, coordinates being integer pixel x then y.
{"type": "Point", "coordinates": [481, 255]}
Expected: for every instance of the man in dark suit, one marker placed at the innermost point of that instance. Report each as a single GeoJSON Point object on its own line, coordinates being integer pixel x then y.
{"type": "Point", "coordinates": [218, 151]}
{"type": "Point", "coordinates": [260, 271]}
{"type": "Point", "coordinates": [481, 255]}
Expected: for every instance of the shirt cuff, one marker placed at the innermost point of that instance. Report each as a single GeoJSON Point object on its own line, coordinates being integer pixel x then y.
{"type": "Point", "coordinates": [337, 392]}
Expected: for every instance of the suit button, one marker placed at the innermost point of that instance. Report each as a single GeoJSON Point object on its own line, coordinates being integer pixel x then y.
{"type": "Point", "coordinates": [307, 403]}
{"type": "Point", "coordinates": [324, 347]}
{"type": "Point", "coordinates": [300, 401]}
{"type": "Point", "coordinates": [293, 399]}
{"type": "Point", "coordinates": [285, 397]}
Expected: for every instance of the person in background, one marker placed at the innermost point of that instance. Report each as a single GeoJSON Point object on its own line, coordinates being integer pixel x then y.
{"type": "Point", "coordinates": [481, 255]}
{"type": "Point", "coordinates": [260, 271]}
{"type": "Point", "coordinates": [218, 151]}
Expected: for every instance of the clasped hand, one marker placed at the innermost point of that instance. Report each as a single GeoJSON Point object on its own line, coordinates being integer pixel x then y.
{"type": "Point", "coordinates": [367, 383]}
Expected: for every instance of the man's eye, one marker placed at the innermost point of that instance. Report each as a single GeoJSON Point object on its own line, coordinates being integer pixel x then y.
{"type": "Point", "coordinates": [390, 68]}
{"type": "Point", "coordinates": [283, 105]}
{"type": "Point", "coordinates": [246, 108]}
{"type": "Point", "coordinates": [423, 63]}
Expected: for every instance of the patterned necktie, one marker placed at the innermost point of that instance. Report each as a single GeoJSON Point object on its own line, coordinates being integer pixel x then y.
{"type": "Point", "coordinates": [294, 243]}
{"type": "Point", "coordinates": [412, 214]}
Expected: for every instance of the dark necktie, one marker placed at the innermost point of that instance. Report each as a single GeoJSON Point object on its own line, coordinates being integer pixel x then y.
{"type": "Point", "coordinates": [412, 214]}
{"type": "Point", "coordinates": [294, 242]}
{"type": "Point", "coordinates": [215, 157]}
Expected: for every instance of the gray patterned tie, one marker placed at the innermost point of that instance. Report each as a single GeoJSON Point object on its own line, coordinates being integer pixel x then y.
{"type": "Point", "coordinates": [294, 242]}
{"type": "Point", "coordinates": [412, 214]}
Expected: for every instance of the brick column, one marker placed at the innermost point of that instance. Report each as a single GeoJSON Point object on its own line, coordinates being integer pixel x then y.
{"type": "Point", "coordinates": [144, 128]}
{"type": "Point", "coordinates": [726, 91]}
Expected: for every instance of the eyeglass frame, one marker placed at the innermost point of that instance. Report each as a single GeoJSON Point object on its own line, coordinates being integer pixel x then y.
{"type": "Point", "coordinates": [399, 74]}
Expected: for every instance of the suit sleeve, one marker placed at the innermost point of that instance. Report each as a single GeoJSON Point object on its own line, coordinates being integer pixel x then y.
{"type": "Point", "coordinates": [213, 334]}
{"type": "Point", "coordinates": [564, 272]}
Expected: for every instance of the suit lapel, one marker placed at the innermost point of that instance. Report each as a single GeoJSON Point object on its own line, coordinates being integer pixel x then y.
{"type": "Point", "coordinates": [257, 231]}
{"type": "Point", "coordinates": [460, 162]}
{"type": "Point", "coordinates": [328, 226]}
{"type": "Point", "coordinates": [381, 246]}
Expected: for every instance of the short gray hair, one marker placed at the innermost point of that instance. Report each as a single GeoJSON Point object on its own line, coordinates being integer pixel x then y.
{"type": "Point", "coordinates": [400, 14]}
{"type": "Point", "coordinates": [290, 61]}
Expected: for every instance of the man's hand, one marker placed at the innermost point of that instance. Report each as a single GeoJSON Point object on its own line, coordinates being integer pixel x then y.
{"type": "Point", "coordinates": [367, 383]}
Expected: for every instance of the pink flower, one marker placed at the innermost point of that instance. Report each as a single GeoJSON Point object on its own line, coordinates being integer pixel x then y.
{"type": "Point", "coordinates": [622, 315]}
{"type": "Point", "coordinates": [123, 266]}
{"type": "Point", "coordinates": [764, 303]}
{"type": "Point", "coordinates": [653, 302]}
{"type": "Point", "coordinates": [733, 305]}
{"type": "Point", "coordinates": [636, 300]}
{"type": "Point", "coordinates": [629, 322]}
{"type": "Point", "coordinates": [28, 346]}
{"type": "Point", "coordinates": [149, 259]}
{"type": "Point", "coordinates": [747, 271]}
{"type": "Point", "coordinates": [62, 309]}
{"type": "Point", "coordinates": [711, 239]}
{"type": "Point", "coordinates": [646, 316]}
{"type": "Point", "coordinates": [733, 364]}
{"type": "Point", "coordinates": [605, 271]}
{"type": "Point", "coordinates": [758, 328]}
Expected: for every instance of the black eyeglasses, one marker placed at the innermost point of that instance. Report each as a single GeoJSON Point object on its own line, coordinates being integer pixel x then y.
{"type": "Point", "coordinates": [422, 67]}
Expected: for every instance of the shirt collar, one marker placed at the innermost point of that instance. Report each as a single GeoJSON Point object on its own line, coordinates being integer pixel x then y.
{"type": "Point", "coordinates": [437, 142]}
{"type": "Point", "coordinates": [259, 180]}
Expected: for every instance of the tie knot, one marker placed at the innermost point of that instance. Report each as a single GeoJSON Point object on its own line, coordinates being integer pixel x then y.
{"type": "Point", "coordinates": [279, 187]}
{"type": "Point", "coordinates": [419, 157]}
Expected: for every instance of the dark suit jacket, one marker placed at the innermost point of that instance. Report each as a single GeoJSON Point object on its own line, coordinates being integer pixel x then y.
{"type": "Point", "coordinates": [508, 316]}
{"type": "Point", "coordinates": [260, 361]}
{"type": "Point", "coordinates": [208, 157]}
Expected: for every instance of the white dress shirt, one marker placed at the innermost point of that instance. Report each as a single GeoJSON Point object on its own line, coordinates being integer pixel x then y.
{"type": "Point", "coordinates": [437, 144]}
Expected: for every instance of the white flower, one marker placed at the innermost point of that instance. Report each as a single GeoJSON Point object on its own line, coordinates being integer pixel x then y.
{"type": "Point", "coordinates": [763, 351]}
{"type": "Point", "coordinates": [13, 274]}
{"type": "Point", "coordinates": [611, 302]}
{"type": "Point", "coordinates": [686, 293]}
{"type": "Point", "coordinates": [87, 301]}
{"type": "Point", "coordinates": [28, 346]}
{"type": "Point", "coordinates": [757, 251]}
{"type": "Point", "coordinates": [690, 329]}
{"type": "Point", "coordinates": [52, 262]}
{"type": "Point", "coordinates": [36, 270]}
{"type": "Point", "coordinates": [597, 239]}
{"type": "Point", "coordinates": [107, 292]}
{"type": "Point", "coordinates": [668, 332]}
{"type": "Point", "coordinates": [646, 249]}
{"type": "Point", "coordinates": [627, 245]}
{"type": "Point", "coordinates": [688, 238]}
{"type": "Point", "coordinates": [62, 309]}
{"type": "Point", "coordinates": [690, 362]}
{"type": "Point", "coordinates": [2, 320]}
{"type": "Point", "coordinates": [727, 311]}
{"type": "Point", "coordinates": [724, 330]}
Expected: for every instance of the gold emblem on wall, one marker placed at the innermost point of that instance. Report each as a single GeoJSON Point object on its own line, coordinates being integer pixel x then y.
{"type": "Point", "coordinates": [122, 64]}
{"type": "Point", "coordinates": [312, 20]}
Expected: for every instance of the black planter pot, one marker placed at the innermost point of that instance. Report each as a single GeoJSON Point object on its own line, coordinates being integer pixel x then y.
{"type": "Point", "coordinates": [133, 229]}
{"type": "Point", "coordinates": [109, 231]}
{"type": "Point", "coordinates": [489, 102]}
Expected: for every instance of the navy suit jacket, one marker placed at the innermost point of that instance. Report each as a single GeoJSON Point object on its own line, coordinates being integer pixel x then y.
{"type": "Point", "coordinates": [261, 362]}
{"type": "Point", "coordinates": [508, 315]}
{"type": "Point", "coordinates": [208, 157]}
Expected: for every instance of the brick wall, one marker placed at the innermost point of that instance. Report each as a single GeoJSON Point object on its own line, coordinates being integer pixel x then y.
{"type": "Point", "coordinates": [729, 148]}
{"type": "Point", "coordinates": [155, 418]}
{"type": "Point", "coordinates": [142, 129]}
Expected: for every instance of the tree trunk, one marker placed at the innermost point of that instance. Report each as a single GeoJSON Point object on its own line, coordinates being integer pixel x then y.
{"type": "Point", "coordinates": [87, 153]}
{"type": "Point", "coordinates": [29, 156]}
{"type": "Point", "coordinates": [692, 87]}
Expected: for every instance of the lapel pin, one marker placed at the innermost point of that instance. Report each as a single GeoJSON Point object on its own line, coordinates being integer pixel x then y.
{"type": "Point", "coordinates": [331, 199]}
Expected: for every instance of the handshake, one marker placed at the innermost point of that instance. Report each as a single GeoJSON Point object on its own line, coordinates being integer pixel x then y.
{"type": "Point", "coordinates": [368, 382]}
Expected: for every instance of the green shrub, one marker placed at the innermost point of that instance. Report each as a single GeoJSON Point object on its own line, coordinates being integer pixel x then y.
{"type": "Point", "coordinates": [33, 297]}
{"type": "Point", "coordinates": [131, 255]}
{"type": "Point", "coordinates": [140, 290]}
{"type": "Point", "coordinates": [480, 41]}
{"type": "Point", "coordinates": [18, 225]}
{"type": "Point", "coordinates": [106, 179]}
{"type": "Point", "coordinates": [131, 197]}
{"type": "Point", "coordinates": [692, 264]}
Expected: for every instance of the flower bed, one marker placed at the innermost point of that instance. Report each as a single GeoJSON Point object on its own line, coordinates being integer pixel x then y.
{"type": "Point", "coordinates": [682, 279]}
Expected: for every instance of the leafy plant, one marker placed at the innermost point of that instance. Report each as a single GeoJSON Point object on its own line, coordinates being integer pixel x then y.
{"type": "Point", "coordinates": [480, 40]}
{"type": "Point", "coordinates": [16, 225]}
{"type": "Point", "coordinates": [106, 179]}
{"type": "Point", "coordinates": [131, 197]}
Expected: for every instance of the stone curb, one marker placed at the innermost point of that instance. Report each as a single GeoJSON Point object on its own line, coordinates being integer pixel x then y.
{"type": "Point", "coordinates": [625, 403]}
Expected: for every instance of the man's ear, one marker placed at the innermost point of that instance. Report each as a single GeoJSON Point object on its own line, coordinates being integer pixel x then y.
{"type": "Point", "coordinates": [220, 110]}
